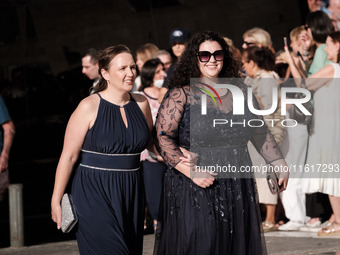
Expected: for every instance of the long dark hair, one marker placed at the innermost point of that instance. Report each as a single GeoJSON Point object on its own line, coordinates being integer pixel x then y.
{"type": "Point", "coordinates": [188, 66]}
{"type": "Point", "coordinates": [336, 38]}
{"type": "Point", "coordinates": [263, 57]}
{"type": "Point", "coordinates": [104, 60]}
{"type": "Point", "coordinates": [320, 24]}
{"type": "Point", "coordinates": [148, 72]}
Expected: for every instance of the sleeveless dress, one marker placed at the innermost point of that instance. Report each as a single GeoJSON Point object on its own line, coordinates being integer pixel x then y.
{"type": "Point", "coordinates": [107, 188]}
{"type": "Point", "coordinates": [323, 157]}
{"type": "Point", "coordinates": [225, 217]}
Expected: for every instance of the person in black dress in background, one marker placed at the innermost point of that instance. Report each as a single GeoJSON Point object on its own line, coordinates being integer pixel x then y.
{"type": "Point", "coordinates": [205, 213]}
{"type": "Point", "coordinates": [108, 130]}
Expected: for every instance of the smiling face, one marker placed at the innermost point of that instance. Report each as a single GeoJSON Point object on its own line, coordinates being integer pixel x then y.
{"type": "Point", "coordinates": [332, 49]}
{"type": "Point", "coordinates": [121, 73]}
{"type": "Point", "coordinates": [212, 68]}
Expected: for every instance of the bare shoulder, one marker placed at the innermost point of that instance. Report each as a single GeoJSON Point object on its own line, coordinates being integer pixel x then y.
{"type": "Point", "coordinates": [90, 102]}
{"type": "Point", "coordinates": [143, 104]}
{"type": "Point", "coordinates": [139, 98]}
{"type": "Point", "coordinates": [87, 109]}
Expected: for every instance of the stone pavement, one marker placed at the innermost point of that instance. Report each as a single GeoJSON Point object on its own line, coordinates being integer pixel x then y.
{"type": "Point", "coordinates": [278, 243]}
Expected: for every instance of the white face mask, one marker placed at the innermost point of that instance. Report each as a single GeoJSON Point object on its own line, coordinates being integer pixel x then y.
{"type": "Point", "coordinates": [158, 83]}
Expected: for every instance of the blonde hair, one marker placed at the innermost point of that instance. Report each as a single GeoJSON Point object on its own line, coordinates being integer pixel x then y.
{"type": "Point", "coordinates": [260, 36]}
{"type": "Point", "coordinates": [161, 52]}
{"type": "Point", "coordinates": [146, 51]}
{"type": "Point", "coordinates": [295, 33]}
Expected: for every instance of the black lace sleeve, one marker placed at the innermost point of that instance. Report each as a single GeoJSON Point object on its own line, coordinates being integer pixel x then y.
{"type": "Point", "coordinates": [264, 141]}
{"type": "Point", "coordinates": [167, 124]}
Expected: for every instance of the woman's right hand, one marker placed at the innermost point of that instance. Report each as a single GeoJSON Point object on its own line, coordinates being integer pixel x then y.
{"type": "Point", "coordinates": [56, 213]}
{"type": "Point", "coordinates": [203, 180]}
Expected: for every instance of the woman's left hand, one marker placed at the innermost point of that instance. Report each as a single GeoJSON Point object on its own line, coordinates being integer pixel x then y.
{"type": "Point", "coordinates": [56, 213]}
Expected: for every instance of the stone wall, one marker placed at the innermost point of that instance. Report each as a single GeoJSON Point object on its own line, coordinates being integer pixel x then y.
{"type": "Point", "coordinates": [78, 25]}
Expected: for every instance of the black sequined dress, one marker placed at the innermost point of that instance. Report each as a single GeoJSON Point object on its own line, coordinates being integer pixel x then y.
{"type": "Point", "coordinates": [225, 217]}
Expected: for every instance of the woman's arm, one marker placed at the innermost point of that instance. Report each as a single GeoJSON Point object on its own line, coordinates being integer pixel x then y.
{"type": "Point", "coordinates": [80, 122]}
{"type": "Point", "coordinates": [167, 126]}
{"type": "Point", "coordinates": [321, 78]}
{"type": "Point", "coordinates": [297, 72]}
{"type": "Point", "coordinates": [267, 147]}
{"type": "Point", "coordinates": [8, 136]}
{"type": "Point", "coordinates": [145, 108]}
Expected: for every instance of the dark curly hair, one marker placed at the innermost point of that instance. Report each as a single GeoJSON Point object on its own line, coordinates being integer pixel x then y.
{"type": "Point", "coordinates": [188, 66]}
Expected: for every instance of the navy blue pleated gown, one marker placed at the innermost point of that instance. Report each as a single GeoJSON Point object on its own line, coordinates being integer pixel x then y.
{"type": "Point", "coordinates": [107, 187]}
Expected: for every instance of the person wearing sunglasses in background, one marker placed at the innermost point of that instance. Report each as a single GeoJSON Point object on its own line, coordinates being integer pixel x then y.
{"type": "Point", "coordinates": [207, 213]}
{"type": "Point", "coordinates": [165, 57]}
{"type": "Point", "coordinates": [257, 37]}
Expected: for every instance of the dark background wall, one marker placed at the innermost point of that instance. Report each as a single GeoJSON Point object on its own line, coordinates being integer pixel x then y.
{"type": "Point", "coordinates": [41, 44]}
{"type": "Point", "coordinates": [45, 33]}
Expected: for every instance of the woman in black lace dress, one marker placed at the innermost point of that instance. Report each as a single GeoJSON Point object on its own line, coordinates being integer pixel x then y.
{"type": "Point", "coordinates": [208, 213]}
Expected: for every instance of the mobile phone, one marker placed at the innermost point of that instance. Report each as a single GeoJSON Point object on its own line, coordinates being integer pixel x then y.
{"type": "Point", "coordinates": [285, 41]}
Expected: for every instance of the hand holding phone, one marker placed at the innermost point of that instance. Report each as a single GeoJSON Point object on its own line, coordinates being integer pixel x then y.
{"type": "Point", "coordinates": [285, 41]}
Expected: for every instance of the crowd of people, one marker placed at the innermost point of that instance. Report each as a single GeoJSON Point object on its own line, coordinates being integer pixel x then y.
{"type": "Point", "coordinates": [131, 142]}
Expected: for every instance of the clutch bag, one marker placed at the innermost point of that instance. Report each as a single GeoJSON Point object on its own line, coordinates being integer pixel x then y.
{"type": "Point", "coordinates": [272, 181]}
{"type": "Point", "coordinates": [68, 214]}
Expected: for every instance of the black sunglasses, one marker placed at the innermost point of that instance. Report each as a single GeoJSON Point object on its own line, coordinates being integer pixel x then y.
{"type": "Point", "coordinates": [248, 43]}
{"type": "Point", "coordinates": [204, 56]}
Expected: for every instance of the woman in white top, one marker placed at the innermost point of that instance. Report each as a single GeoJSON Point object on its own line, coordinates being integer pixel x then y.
{"type": "Point", "coordinates": [323, 158]}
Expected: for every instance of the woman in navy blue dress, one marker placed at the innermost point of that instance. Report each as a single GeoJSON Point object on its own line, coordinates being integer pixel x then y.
{"type": "Point", "coordinates": [108, 131]}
